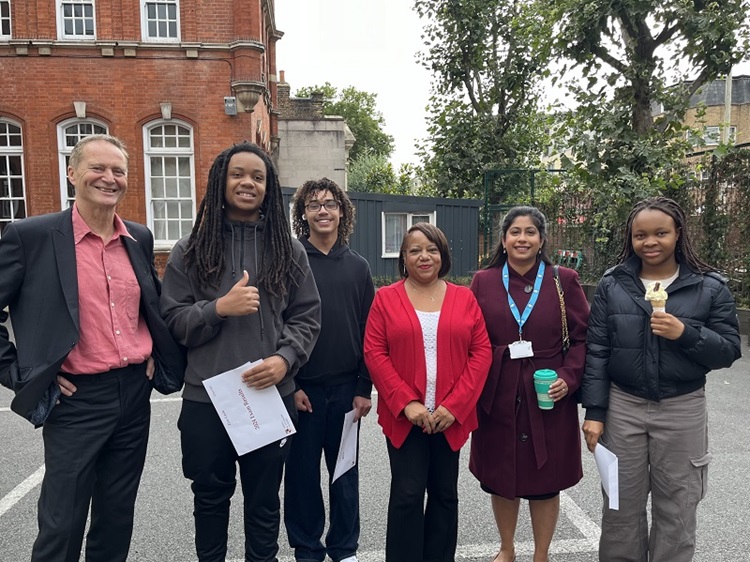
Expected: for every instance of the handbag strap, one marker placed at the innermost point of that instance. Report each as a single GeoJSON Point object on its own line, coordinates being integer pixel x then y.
{"type": "Point", "coordinates": [563, 315]}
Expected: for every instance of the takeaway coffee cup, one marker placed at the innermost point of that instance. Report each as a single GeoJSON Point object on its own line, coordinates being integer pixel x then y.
{"type": "Point", "coordinates": [543, 378]}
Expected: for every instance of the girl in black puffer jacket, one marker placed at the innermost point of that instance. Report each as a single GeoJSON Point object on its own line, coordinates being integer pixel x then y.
{"type": "Point", "coordinates": [643, 387]}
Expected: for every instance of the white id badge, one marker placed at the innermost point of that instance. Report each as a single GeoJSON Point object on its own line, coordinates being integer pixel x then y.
{"type": "Point", "coordinates": [519, 349]}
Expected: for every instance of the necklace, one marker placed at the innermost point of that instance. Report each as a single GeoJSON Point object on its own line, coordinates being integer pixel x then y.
{"type": "Point", "coordinates": [432, 297]}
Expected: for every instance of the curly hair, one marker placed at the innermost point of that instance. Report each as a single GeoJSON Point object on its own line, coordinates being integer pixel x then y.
{"type": "Point", "coordinates": [205, 248]}
{"type": "Point", "coordinates": [310, 190]}
{"type": "Point", "coordinates": [499, 257]}
{"type": "Point", "coordinates": [684, 252]}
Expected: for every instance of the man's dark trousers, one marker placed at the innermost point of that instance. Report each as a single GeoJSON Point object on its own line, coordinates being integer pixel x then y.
{"type": "Point", "coordinates": [304, 511]}
{"type": "Point", "coordinates": [94, 451]}
{"type": "Point", "coordinates": [210, 460]}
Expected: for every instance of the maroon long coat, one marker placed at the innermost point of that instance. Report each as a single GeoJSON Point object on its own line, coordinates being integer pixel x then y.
{"type": "Point", "coordinates": [519, 449]}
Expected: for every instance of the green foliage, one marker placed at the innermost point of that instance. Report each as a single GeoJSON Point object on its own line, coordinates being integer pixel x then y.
{"type": "Point", "coordinates": [372, 173]}
{"type": "Point", "coordinates": [385, 280]}
{"type": "Point", "coordinates": [628, 52]}
{"type": "Point", "coordinates": [725, 219]}
{"type": "Point", "coordinates": [714, 221]}
{"type": "Point", "coordinates": [487, 58]}
{"type": "Point", "coordinates": [360, 111]}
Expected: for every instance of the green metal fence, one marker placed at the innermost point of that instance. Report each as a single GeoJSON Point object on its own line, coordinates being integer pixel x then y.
{"type": "Point", "coordinates": [717, 204]}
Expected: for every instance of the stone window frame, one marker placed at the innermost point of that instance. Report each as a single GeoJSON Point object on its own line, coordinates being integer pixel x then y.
{"type": "Point", "coordinates": [10, 132]}
{"type": "Point", "coordinates": [66, 140]}
{"type": "Point", "coordinates": [163, 210]}
{"type": "Point", "coordinates": [390, 239]}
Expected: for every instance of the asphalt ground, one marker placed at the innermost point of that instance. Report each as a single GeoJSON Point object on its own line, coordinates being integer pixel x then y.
{"type": "Point", "coordinates": [164, 525]}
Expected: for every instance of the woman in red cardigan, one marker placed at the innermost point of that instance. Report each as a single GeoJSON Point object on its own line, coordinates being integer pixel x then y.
{"type": "Point", "coordinates": [427, 350]}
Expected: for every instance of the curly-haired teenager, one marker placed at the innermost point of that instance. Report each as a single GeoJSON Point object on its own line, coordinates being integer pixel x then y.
{"type": "Point", "coordinates": [643, 386]}
{"type": "Point", "coordinates": [237, 289]}
{"type": "Point", "coordinates": [333, 382]}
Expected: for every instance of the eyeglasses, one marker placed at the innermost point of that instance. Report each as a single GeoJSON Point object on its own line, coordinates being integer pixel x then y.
{"type": "Point", "coordinates": [314, 206]}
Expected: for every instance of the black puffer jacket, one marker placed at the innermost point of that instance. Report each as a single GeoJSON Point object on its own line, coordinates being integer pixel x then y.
{"type": "Point", "coordinates": [623, 350]}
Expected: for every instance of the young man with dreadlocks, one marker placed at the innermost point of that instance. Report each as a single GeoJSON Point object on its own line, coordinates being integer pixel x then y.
{"type": "Point", "coordinates": [238, 288]}
{"type": "Point", "coordinates": [644, 383]}
{"type": "Point", "coordinates": [333, 382]}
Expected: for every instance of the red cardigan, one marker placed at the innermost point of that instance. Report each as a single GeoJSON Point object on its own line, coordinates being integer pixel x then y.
{"type": "Point", "coordinates": [394, 354]}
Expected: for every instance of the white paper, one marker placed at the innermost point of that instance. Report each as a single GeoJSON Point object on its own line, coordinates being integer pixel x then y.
{"type": "Point", "coordinates": [606, 462]}
{"type": "Point", "coordinates": [347, 458]}
{"type": "Point", "coordinates": [253, 418]}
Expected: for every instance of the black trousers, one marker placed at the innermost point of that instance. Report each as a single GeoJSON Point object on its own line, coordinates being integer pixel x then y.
{"type": "Point", "coordinates": [419, 533]}
{"type": "Point", "coordinates": [94, 451]}
{"type": "Point", "coordinates": [210, 460]}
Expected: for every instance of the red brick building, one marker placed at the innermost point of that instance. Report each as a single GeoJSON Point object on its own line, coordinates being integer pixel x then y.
{"type": "Point", "coordinates": [154, 73]}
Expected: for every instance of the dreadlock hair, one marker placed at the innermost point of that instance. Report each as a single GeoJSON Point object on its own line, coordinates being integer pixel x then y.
{"type": "Point", "coordinates": [310, 190]}
{"type": "Point", "coordinates": [205, 248]}
{"type": "Point", "coordinates": [499, 257]}
{"type": "Point", "coordinates": [684, 252]}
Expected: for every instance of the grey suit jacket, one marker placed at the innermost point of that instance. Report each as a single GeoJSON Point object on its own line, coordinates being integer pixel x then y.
{"type": "Point", "coordinates": [39, 285]}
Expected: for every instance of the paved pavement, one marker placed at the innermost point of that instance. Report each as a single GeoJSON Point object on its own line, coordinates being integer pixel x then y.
{"type": "Point", "coordinates": [164, 529]}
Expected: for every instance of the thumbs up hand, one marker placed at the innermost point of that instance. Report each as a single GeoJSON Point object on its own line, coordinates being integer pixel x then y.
{"type": "Point", "coordinates": [240, 300]}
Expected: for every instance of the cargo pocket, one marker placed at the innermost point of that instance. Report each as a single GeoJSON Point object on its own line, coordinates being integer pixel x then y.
{"type": "Point", "coordinates": [699, 478]}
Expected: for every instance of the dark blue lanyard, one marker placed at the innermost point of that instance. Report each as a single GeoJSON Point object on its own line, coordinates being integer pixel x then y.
{"type": "Point", "coordinates": [521, 318]}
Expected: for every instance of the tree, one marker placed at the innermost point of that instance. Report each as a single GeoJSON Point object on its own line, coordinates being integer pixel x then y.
{"type": "Point", "coordinates": [640, 42]}
{"type": "Point", "coordinates": [371, 173]}
{"type": "Point", "coordinates": [487, 57]}
{"type": "Point", "coordinates": [635, 55]}
{"type": "Point", "coordinates": [360, 111]}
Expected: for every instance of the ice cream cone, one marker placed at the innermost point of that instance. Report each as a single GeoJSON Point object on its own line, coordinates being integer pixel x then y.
{"type": "Point", "coordinates": [657, 296]}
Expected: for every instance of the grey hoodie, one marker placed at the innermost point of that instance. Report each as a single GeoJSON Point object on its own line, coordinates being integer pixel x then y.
{"type": "Point", "coordinates": [287, 326]}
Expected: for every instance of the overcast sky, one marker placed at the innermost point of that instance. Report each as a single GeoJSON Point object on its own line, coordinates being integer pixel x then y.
{"type": "Point", "coordinates": [368, 44]}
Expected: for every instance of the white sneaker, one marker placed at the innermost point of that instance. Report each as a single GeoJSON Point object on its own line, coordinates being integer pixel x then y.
{"type": "Point", "coordinates": [350, 559]}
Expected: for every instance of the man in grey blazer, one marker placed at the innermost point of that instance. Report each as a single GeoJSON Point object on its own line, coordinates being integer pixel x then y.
{"type": "Point", "coordinates": [90, 343]}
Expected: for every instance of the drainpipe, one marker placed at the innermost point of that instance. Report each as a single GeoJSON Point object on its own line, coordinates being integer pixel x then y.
{"type": "Point", "coordinates": [727, 108]}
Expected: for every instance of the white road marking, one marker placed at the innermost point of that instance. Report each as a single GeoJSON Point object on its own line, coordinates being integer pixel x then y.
{"type": "Point", "coordinates": [474, 551]}
{"type": "Point", "coordinates": [153, 401]}
{"type": "Point", "coordinates": [18, 493]}
{"type": "Point", "coordinates": [568, 509]}
{"type": "Point", "coordinates": [588, 528]}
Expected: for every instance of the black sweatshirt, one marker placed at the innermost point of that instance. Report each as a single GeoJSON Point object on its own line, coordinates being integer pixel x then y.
{"type": "Point", "coordinates": [346, 293]}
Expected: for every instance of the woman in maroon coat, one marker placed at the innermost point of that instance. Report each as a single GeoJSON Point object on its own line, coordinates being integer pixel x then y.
{"type": "Point", "coordinates": [519, 450]}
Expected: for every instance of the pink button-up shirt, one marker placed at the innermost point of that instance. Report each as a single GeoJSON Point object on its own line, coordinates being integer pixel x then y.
{"type": "Point", "coordinates": [113, 333]}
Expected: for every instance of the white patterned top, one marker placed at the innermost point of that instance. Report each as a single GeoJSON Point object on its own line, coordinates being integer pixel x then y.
{"type": "Point", "coordinates": [429, 322]}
